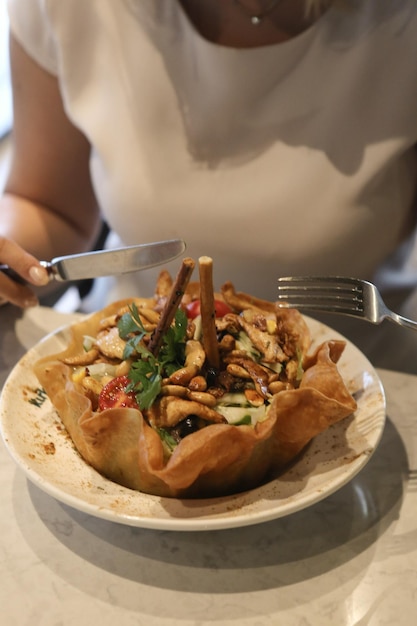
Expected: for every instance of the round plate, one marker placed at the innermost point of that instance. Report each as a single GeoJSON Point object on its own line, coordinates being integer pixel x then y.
{"type": "Point", "coordinates": [37, 440]}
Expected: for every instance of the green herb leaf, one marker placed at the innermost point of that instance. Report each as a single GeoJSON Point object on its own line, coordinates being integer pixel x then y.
{"type": "Point", "coordinates": [173, 345]}
{"type": "Point", "coordinates": [147, 372]}
{"type": "Point", "coordinates": [131, 323]}
{"type": "Point", "coordinates": [245, 420]}
{"type": "Point", "coordinates": [147, 396]}
{"type": "Point", "coordinates": [168, 439]}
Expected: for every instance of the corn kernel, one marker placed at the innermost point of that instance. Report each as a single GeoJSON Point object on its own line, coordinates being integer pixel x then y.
{"type": "Point", "coordinates": [79, 374]}
{"type": "Point", "coordinates": [271, 326]}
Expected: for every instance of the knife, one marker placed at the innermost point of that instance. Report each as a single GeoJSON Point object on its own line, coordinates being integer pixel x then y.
{"type": "Point", "coordinates": [108, 262]}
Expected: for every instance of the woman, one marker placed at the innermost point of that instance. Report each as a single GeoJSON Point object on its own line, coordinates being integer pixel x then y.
{"type": "Point", "coordinates": [275, 136]}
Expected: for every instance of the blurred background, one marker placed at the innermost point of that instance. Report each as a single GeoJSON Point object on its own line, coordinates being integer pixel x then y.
{"type": "Point", "coordinates": [5, 93]}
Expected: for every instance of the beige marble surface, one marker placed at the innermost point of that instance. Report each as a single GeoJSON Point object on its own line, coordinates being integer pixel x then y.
{"type": "Point", "coordinates": [349, 560]}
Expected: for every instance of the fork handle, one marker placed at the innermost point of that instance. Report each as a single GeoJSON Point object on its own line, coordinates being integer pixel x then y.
{"type": "Point", "coordinates": [402, 321]}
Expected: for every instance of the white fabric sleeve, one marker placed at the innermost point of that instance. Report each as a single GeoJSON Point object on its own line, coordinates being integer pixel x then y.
{"type": "Point", "coordinates": [30, 24]}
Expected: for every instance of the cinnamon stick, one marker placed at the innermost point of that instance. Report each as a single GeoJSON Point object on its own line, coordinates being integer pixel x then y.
{"type": "Point", "coordinates": [207, 311]}
{"type": "Point", "coordinates": [172, 304]}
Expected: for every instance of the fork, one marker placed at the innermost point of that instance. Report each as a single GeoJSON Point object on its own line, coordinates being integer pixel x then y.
{"type": "Point", "coordinates": [338, 294]}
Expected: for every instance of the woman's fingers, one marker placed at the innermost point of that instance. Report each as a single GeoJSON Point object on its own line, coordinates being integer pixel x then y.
{"type": "Point", "coordinates": [38, 275]}
{"type": "Point", "coordinates": [23, 263]}
{"type": "Point", "coordinates": [16, 292]}
{"type": "Point", "coordinates": [27, 267]}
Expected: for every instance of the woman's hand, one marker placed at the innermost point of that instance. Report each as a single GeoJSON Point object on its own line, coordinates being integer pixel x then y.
{"type": "Point", "coordinates": [48, 207]}
{"type": "Point", "coordinates": [27, 267]}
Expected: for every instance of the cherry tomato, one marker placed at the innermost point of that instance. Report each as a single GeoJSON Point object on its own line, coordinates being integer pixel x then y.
{"type": "Point", "coordinates": [114, 395]}
{"type": "Point", "coordinates": [221, 308]}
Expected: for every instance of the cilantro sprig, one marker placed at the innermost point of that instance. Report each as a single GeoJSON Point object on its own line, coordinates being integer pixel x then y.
{"type": "Point", "coordinates": [147, 370]}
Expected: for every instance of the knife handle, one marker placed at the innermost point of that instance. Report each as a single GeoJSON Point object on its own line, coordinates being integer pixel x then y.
{"type": "Point", "coordinates": [10, 273]}
{"type": "Point", "coordinates": [5, 269]}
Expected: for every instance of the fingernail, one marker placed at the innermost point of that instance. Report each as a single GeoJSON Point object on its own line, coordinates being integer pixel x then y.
{"type": "Point", "coordinates": [38, 275]}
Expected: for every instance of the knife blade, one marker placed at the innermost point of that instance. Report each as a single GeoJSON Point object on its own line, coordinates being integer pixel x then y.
{"type": "Point", "coordinates": [116, 261]}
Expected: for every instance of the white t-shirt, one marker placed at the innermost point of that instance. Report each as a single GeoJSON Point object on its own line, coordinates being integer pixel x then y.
{"type": "Point", "coordinates": [294, 158]}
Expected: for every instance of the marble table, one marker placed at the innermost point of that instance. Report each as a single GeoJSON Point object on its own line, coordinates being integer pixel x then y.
{"type": "Point", "coordinates": [348, 560]}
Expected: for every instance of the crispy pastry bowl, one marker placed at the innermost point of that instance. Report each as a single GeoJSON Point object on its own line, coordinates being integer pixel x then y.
{"type": "Point", "coordinates": [218, 458]}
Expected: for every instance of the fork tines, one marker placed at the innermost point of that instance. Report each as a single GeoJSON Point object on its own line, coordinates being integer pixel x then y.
{"type": "Point", "coordinates": [329, 293]}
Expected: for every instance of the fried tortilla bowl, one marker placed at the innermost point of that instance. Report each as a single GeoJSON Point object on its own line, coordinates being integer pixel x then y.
{"type": "Point", "coordinates": [217, 458]}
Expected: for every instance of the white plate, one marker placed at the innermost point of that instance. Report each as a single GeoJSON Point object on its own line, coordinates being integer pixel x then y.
{"type": "Point", "coordinates": [37, 440]}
